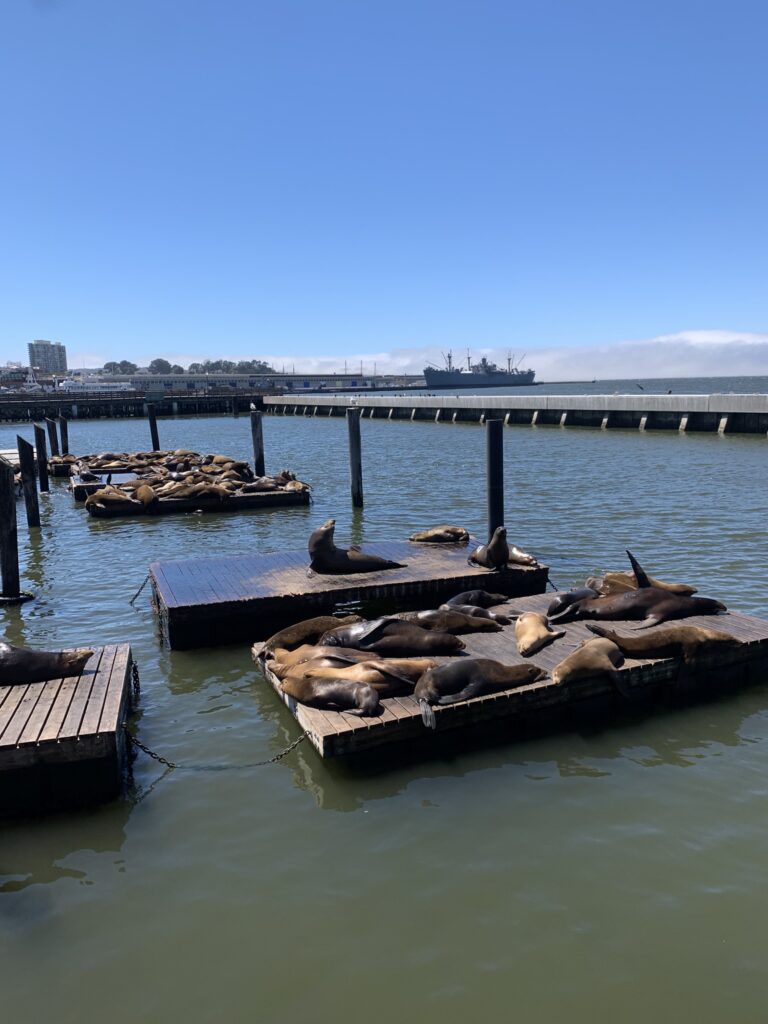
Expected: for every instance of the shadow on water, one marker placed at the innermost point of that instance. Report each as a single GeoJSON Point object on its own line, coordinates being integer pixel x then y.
{"type": "Point", "coordinates": [601, 729]}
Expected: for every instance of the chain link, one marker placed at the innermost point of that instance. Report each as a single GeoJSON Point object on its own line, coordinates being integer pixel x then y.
{"type": "Point", "coordinates": [212, 767]}
{"type": "Point", "coordinates": [135, 596]}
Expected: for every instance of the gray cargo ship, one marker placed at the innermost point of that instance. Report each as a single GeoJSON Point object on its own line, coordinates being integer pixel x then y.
{"type": "Point", "coordinates": [477, 375]}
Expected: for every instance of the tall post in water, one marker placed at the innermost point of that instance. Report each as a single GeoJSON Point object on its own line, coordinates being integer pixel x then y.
{"type": "Point", "coordinates": [53, 437]}
{"type": "Point", "coordinates": [153, 426]}
{"type": "Point", "coordinates": [257, 434]}
{"type": "Point", "coordinates": [28, 480]}
{"type": "Point", "coordinates": [64, 428]}
{"type": "Point", "coordinates": [41, 453]}
{"type": "Point", "coordinates": [9, 541]}
{"type": "Point", "coordinates": [494, 438]}
{"type": "Point", "coordinates": [355, 457]}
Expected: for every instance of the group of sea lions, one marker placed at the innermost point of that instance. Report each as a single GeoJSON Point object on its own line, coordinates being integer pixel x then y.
{"type": "Point", "coordinates": [178, 474]}
{"type": "Point", "coordinates": [351, 664]}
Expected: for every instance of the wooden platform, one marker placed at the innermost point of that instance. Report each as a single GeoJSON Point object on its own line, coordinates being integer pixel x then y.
{"type": "Point", "coordinates": [62, 741]}
{"type": "Point", "coordinates": [82, 488]}
{"type": "Point", "coordinates": [205, 602]}
{"type": "Point", "coordinates": [335, 733]}
{"type": "Point", "coordinates": [171, 506]}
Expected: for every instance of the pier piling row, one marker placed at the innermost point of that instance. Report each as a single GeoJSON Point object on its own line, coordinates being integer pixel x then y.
{"type": "Point", "coordinates": [721, 414]}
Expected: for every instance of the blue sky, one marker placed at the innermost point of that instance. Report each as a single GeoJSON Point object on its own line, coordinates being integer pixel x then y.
{"type": "Point", "coordinates": [354, 179]}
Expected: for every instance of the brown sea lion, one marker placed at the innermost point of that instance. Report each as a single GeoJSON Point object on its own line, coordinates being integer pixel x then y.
{"type": "Point", "coordinates": [308, 631]}
{"type": "Point", "coordinates": [387, 677]}
{"type": "Point", "coordinates": [335, 695]}
{"type": "Point", "coordinates": [469, 677]}
{"type": "Point", "coordinates": [450, 620]}
{"type": "Point", "coordinates": [591, 658]}
{"type": "Point", "coordinates": [519, 557]}
{"type": "Point", "coordinates": [494, 554]}
{"type": "Point", "coordinates": [649, 604]}
{"type": "Point", "coordinates": [147, 496]}
{"type": "Point", "coordinates": [441, 535]}
{"type": "Point", "coordinates": [476, 612]}
{"type": "Point", "coordinates": [393, 637]}
{"type": "Point", "coordinates": [532, 632]}
{"type": "Point", "coordinates": [620, 582]}
{"type": "Point", "coordinates": [325, 557]}
{"type": "Point", "coordinates": [668, 641]}
{"type": "Point", "coordinates": [478, 597]}
{"type": "Point", "coordinates": [23, 665]}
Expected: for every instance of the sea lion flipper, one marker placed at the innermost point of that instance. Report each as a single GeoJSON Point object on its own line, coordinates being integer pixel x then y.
{"type": "Point", "coordinates": [640, 574]}
{"type": "Point", "coordinates": [427, 714]}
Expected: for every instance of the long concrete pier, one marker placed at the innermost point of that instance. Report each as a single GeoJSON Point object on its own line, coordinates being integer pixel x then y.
{"type": "Point", "coordinates": [731, 414]}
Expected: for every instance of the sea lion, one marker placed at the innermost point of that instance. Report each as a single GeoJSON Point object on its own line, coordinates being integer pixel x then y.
{"type": "Point", "coordinates": [308, 631]}
{"type": "Point", "coordinates": [325, 557]}
{"type": "Point", "coordinates": [23, 665]}
{"type": "Point", "coordinates": [649, 604]}
{"type": "Point", "coordinates": [469, 677]}
{"type": "Point", "coordinates": [475, 611]}
{"type": "Point", "coordinates": [620, 582]}
{"type": "Point", "coordinates": [479, 597]}
{"type": "Point", "coordinates": [388, 678]}
{"type": "Point", "coordinates": [591, 658]}
{"type": "Point", "coordinates": [451, 620]}
{"type": "Point", "coordinates": [563, 601]}
{"type": "Point", "coordinates": [494, 554]}
{"type": "Point", "coordinates": [532, 632]}
{"type": "Point", "coordinates": [441, 535]}
{"type": "Point", "coordinates": [520, 557]}
{"type": "Point", "coordinates": [147, 496]}
{"type": "Point", "coordinates": [668, 641]}
{"type": "Point", "coordinates": [334, 694]}
{"type": "Point", "coordinates": [280, 658]}
{"type": "Point", "coordinates": [393, 637]}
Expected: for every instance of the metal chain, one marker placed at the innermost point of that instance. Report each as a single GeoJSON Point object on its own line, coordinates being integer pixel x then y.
{"type": "Point", "coordinates": [146, 580]}
{"type": "Point", "coordinates": [135, 681]}
{"type": "Point", "coordinates": [211, 767]}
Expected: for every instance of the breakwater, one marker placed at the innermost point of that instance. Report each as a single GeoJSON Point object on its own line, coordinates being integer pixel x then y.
{"type": "Point", "coordinates": [121, 405]}
{"type": "Point", "coordinates": [739, 414]}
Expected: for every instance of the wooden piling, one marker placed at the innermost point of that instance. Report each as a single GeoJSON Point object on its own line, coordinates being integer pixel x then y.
{"type": "Point", "coordinates": [53, 437]}
{"type": "Point", "coordinates": [9, 547]}
{"type": "Point", "coordinates": [355, 457]}
{"type": "Point", "coordinates": [153, 426]}
{"type": "Point", "coordinates": [41, 451]}
{"type": "Point", "coordinates": [494, 437]}
{"type": "Point", "coordinates": [64, 428]}
{"type": "Point", "coordinates": [29, 481]}
{"type": "Point", "coordinates": [257, 434]}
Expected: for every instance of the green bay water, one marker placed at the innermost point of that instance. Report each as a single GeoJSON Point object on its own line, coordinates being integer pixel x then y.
{"type": "Point", "coordinates": [618, 867]}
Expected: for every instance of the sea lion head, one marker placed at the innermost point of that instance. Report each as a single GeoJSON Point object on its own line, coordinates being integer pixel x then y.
{"type": "Point", "coordinates": [74, 661]}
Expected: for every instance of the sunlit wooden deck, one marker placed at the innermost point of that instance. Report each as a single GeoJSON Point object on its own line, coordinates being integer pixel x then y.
{"type": "Point", "coordinates": [334, 733]}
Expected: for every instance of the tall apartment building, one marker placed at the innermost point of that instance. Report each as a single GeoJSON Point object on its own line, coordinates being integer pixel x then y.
{"type": "Point", "coordinates": [48, 356]}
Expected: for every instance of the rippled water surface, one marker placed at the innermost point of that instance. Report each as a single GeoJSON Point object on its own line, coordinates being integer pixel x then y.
{"type": "Point", "coordinates": [617, 868]}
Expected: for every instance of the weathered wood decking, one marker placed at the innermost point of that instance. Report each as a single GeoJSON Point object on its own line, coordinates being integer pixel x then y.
{"type": "Point", "coordinates": [62, 741]}
{"type": "Point", "coordinates": [205, 602]}
{"type": "Point", "coordinates": [204, 503]}
{"type": "Point", "coordinates": [334, 733]}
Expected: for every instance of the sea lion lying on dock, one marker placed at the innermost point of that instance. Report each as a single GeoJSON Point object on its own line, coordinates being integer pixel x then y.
{"type": "Point", "coordinates": [668, 642]}
{"type": "Point", "coordinates": [308, 631]}
{"type": "Point", "coordinates": [620, 582]}
{"type": "Point", "coordinates": [23, 665]}
{"type": "Point", "coordinates": [469, 677]}
{"type": "Point", "coordinates": [650, 604]}
{"type": "Point", "coordinates": [388, 678]}
{"type": "Point", "coordinates": [450, 619]}
{"type": "Point", "coordinates": [532, 632]}
{"type": "Point", "coordinates": [476, 612]}
{"type": "Point", "coordinates": [482, 598]}
{"type": "Point", "coordinates": [563, 601]}
{"type": "Point", "coordinates": [393, 637]}
{"type": "Point", "coordinates": [325, 557]}
{"type": "Point", "coordinates": [591, 658]}
{"type": "Point", "coordinates": [334, 694]}
{"type": "Point", "coordinates": [441, 535]}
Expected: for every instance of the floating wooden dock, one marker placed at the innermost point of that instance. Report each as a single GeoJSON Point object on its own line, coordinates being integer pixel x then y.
{"type": "Point", "coordinates": [82, 488]}
{"type": "Point", "coordinates": [334, 733]}
{"type": "Point", "coordinates": [171, 506]}
{"type": "Point", "coordinates": [62, 742]}
{"type": "Point", "coordinates": [205, 602]}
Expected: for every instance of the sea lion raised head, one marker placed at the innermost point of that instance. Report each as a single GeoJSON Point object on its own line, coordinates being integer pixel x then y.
{"type": "Point", "coordinates": [494, 554]}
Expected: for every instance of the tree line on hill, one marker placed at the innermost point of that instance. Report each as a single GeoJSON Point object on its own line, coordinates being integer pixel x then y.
{"type": "Point", "coordinates": [208, 366]}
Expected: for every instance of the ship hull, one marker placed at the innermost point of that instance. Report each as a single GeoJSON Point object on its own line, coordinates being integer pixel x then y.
{"type": "Point", "coordinates": [457, 379]}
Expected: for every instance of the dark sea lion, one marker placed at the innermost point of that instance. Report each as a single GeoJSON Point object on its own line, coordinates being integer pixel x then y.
{"type": "Point", "coordinates": [334, 694]}
{"type": "Point", "coordinates": [23, 665]}
{"type": "Point", "coordinates": [308, 631]}
{"type": "Point", "coordinates": [532, 632]}
{"type": "Point", "coordinates": [494, 554]}
{"type": "Point", "coordinates": [649, 604]}
{"type": "Point", "coordinates": [469, 677]}
{"type": "Point", "coordinates": [451, 620]}
{"type": "Point", "coordinates": [476, 612]}
{"type": "Point", "coordinates": [668, 641]}
{"type": "Point", "coordinates": [563, 601]}
{"type": "Point", "coordinates": [325, 557]}
{"type": "Point", "coordinates": [393, 637]}
{"type": "Point", "coordinates": [591, 658]}
{"type": "Point", "coordinates": [479, 597]}
{"type": "Point", "coordinates": [441, 535]}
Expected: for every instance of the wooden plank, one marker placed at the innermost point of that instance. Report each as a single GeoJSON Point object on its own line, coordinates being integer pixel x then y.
{"type": "Point", "coordinates": [12, 700]}
{"type": "Point", "coordinates": [99, 688]}
{"type": "Point", "coordinates": [117, 694]}
{"type": "Point", "coordinates": [60, 710]}
{"type": "Point", "coordinates": [40, 714]}
{"type": "Point", "coordinates": [17, 723]}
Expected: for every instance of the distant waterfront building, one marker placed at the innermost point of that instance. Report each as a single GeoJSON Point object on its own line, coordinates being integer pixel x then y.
{"type": "Point", "coordinates": [48, 356]}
